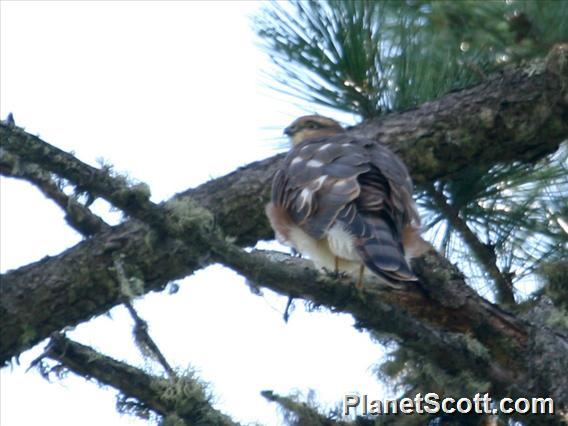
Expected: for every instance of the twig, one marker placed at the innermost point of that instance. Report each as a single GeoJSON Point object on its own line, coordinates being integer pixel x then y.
{"type": "Point", "coordinates": [142, 338]}
{"type": "Point", "coordinates": [133, 200]}
{"type": "Point", "coordinates": [303, 413]}
{"type": "Point", "coordinates": [77, 215]}
{"type": "Point", "coordinates": [145, 342]}
{"type": "Point", "coordinates": [484, 254]}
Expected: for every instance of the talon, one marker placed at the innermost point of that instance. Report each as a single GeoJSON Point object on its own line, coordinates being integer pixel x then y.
{"type": "Point", "coordinates": [334, 274]}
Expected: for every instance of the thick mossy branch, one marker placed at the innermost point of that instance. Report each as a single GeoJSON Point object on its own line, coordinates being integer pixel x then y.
{"type": "Point", "coordinates": [43, 297]}
{"type": "Point", "coordinates": [518, 115]}
{"type": "Point", "coordinates": [442, 298]}
{"type": "Point", "coordinates": [445, 319]}
{"type": "Point", "coordinates": [183, 396]}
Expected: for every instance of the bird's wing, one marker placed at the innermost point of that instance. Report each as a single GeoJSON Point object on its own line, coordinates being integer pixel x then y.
{"type": "Point", "coordinates": [376, 223]}
{"type": "Point", "coordinates": [318, 179]}
{"type": "Point", "coordinates": [386, 208]}
{"type": "Point", "coordinates": [389, 165]}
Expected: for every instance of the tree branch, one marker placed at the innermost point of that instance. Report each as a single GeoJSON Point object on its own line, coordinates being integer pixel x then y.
{"type": "Point", "coordinates": [520, 114]}
{"type": "Point", "coordinates": [485, 255]}
{"type": "Point", "coordinates": [183, 397]}
{"type": "Point", "coordinates": [78, 216]}
{"type": "Point", "coordinates": [45, 296]}
{"type": "Point", "coordinates": [431, 318]}
{"type": "Point", "coordinates": [134, 200]}
{"type": "Point", "coordinates": [145, 343]}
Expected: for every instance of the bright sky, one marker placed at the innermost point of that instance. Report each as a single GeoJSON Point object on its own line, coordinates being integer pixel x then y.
{"type": "Point", "coordinates": [170, 93]}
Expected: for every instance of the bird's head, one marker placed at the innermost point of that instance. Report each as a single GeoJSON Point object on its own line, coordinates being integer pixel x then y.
{"type": "Point", "coordinates": [311, 126]}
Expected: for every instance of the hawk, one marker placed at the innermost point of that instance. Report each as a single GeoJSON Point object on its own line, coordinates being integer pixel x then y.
{"type": "Point", "coordinates": [345, 201]}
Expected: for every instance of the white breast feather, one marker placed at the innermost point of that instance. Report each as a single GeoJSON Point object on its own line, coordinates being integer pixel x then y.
{"type": "Point", "coordinates": [337, 242]}
{"type": "Point", "coordinates": [316, 250]}
{"type": "Point", "coordinates": [341, 243]}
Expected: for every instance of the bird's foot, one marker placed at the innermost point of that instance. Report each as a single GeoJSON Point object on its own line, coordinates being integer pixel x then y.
{"type": "Point", "coordinates": [335, 274]}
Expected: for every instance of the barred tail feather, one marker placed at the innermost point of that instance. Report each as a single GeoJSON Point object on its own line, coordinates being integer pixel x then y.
{"type": "Point", "coordinates": [378, 245]}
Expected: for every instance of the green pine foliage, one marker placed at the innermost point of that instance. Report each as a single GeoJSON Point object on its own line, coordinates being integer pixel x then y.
{"type": "Point", "coordinates": [518, 210]}
{"type": "Point", "coordinates": [370, 57]}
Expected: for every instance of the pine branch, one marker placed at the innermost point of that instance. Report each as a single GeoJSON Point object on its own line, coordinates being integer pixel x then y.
{"type": "Point", "coordinates": [184, 398]}
{"type": "Point", "coordinates": [78, 216]}
{"type": "Point", "coordinates": [484, 254]}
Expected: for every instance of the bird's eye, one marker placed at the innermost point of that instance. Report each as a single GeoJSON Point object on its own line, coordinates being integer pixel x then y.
{"type": "Point", "coordinates": [312, 126]}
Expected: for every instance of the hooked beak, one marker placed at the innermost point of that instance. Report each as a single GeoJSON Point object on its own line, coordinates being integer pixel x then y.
{"type": "Point", "coordinates": [288, 131]}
